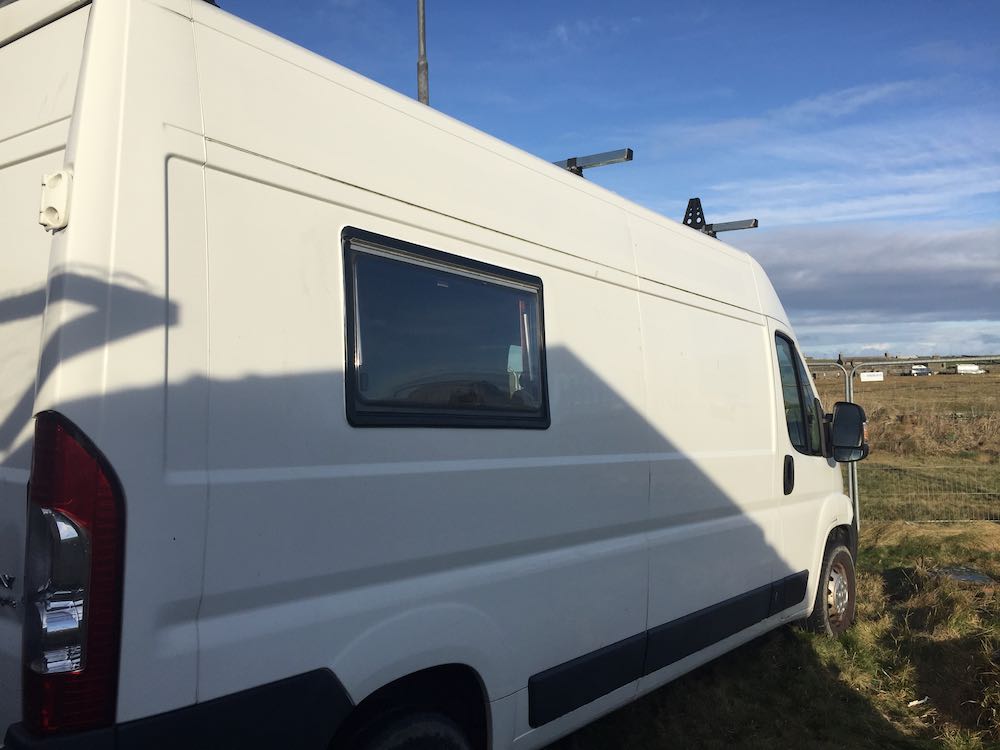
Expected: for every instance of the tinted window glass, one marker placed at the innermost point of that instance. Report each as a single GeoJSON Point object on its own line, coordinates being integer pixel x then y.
{"type": "Point", "coordinates": [794, 415]}
{"type": "Point", "coordinates": [438, 340]}
{"type": "Point", "coordinates": [814, 416]}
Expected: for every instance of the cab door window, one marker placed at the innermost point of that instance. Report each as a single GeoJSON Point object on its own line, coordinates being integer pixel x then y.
{"type": "Point", "coordinates": [803, 419]}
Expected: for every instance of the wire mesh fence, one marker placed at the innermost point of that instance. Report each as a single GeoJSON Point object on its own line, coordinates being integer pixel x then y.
{"type": "Point", "coordinates": [935, 441]}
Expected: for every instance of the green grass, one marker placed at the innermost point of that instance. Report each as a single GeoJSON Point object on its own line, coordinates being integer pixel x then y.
{"type": "Point", "coordinates": [917, 635]}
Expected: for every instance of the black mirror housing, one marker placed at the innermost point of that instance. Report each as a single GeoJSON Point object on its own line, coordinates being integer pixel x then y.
{"type": "Point", "coordinates": [848, 432]}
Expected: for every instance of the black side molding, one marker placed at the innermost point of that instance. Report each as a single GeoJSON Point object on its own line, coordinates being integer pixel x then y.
{"type": "Point", "coordinates": [575, 683]}
{"type": "Point", "coordinates": [301, 712]}
{"type": "Point", "coordinates": [565, 687]}
{"type": "Point", "coordinates": [684, 636]}
{"type": "Point", "coordinates": [788, 592]}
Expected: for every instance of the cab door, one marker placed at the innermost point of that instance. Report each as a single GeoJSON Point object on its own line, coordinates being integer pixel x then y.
{"type": "Point", "coordinates": [805, 479]}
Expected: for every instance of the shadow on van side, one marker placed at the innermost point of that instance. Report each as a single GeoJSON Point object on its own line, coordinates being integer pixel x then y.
{"type": "Point", "coordinates": [525, 549]}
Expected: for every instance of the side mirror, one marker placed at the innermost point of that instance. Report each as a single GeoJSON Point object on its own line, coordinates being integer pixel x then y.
{"type": "Point", "coordinates": [848, 432]}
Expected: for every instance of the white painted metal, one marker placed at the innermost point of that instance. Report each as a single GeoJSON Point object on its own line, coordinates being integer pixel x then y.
{"type": "Point", "coordinates": [817, 502]}
{"type": "Point", "coordinates": [873, 377]}
{"type": "Point", "coordinates": [961, 369]}
{"type": "Point", "coordinates": [195, 331]}
{"type": "Point", "coordinates": [34, 121]}
{"type": "Point", "coordinates": [53, 213]}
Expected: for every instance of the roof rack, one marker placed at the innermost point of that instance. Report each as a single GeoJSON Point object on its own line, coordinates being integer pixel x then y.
{"type": "Point", "coordinates": [694, 217]}
{"type": "Point", "coordinates": [576, 164]}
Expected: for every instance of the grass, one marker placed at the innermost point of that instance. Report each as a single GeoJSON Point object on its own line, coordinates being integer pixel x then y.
{"type": "Point", "coordinates": [927, 489]}
{"type": "Point", "coordinates": [935, 446]}
{"type": "Point", "coordinates": [942, 417]}
{"type": "Point", "coordinates": [917, 635]}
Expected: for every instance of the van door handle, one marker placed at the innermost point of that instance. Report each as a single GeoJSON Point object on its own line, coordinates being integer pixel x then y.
{"type": "Point", "coordinates": [789, 475]}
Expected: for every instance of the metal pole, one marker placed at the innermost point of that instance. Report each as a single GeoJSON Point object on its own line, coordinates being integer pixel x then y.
{"type": "Point", "coordinates": [852, 468]}
{"type": "Point", "coordinates": [423, 95]}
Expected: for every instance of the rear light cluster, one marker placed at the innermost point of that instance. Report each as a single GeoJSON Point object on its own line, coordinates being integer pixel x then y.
{"type": "Point", "coordinates": [73, 582]}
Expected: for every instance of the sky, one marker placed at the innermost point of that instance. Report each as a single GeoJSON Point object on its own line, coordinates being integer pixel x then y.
{"type": "Point", "coordinates": [865, 136]}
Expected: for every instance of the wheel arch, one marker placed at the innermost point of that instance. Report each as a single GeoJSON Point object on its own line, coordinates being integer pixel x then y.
{"type": "Point", "coordinates": [836, 521]}
{"type": "Point", "coordinates": [454, 690]}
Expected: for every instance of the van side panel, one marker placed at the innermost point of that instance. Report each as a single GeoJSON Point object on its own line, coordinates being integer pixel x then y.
{"type": "Point", "coordinates": [337, 123]}
{"type": "Point", "coordinates": [40, 74]}
{"type": "Point", "coordinates": [107, 323]}
{"type": "Point", "coordinates": [382, 551]}
{"type": "Point", "coordinates": [680, 258]}
{"type": "Point", "coordinates": [714, 522]}
{"type": "Point", "coordinates": [37, 100]}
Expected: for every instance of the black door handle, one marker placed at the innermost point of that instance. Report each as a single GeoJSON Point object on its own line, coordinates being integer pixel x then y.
{"type": "Point", "coordinates": [789, 475]}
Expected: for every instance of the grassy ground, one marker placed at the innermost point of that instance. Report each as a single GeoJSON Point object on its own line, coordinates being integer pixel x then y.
{"type": "Point", "coordinates": [935, 446]}
{"type": "Point", "coordinates": [924, 489]}
{"type": "Point", "coordinates": [918, 635]}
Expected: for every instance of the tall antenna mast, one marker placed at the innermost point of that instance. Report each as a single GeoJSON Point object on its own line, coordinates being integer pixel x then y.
{"type": "Point", "coordinates": [422, 92]}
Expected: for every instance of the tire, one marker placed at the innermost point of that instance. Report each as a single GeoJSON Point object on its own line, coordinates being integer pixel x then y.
{"type": "Point", "coordinates": [417, 731]}
{"type": "Point", "coordinates": [834, 608]}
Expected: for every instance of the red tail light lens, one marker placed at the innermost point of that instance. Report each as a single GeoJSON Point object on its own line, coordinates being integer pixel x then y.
{"type": "Point", "coordinates": [73, 582]}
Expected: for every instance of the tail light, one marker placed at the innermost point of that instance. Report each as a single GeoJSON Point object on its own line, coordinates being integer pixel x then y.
{"type": "Point", "coordinates": [73, 582]}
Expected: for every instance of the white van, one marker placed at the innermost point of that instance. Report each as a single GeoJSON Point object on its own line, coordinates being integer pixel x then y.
{"type": "Point", "coordinates": [969, 369]}
{"type": "Point", "coordinates": [328, 421]}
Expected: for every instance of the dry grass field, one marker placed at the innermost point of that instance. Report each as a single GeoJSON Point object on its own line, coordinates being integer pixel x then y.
{"type": "Point", "coordinates": [919, 636]}
{"type": "Point", "coordinates": [935, 446]}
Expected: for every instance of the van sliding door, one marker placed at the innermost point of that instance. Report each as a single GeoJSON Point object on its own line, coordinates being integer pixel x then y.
{"type": "Point", "coordinates": [713, 553]}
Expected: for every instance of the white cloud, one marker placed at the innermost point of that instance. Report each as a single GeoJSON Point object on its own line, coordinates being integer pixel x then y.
{"type": "Point", "coordinates": [915, 166]}
{"type": "Point", "coordinates": [952, 53]}
{"type": "Point", "coordinates": [878, 151]}
{"type": "Point", "coordinates": [923, 288]}
{"type": "Point", "coordinates": [583, 31]}
{"type": "Point", "coordinates": [949, 338]}
{"type": "Point", "coordinates": [847, 101]}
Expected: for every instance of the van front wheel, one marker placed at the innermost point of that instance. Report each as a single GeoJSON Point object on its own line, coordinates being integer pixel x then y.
{"type": "Point", "coordinates": [833, 611]}
{"type": "Point", "coordinates": [417, 731]}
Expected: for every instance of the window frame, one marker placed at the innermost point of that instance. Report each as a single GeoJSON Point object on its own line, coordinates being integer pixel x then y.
{"type": "Point", "coordinates": [355, 241]}
{"type": "Point", "coordinates": [805, 409]}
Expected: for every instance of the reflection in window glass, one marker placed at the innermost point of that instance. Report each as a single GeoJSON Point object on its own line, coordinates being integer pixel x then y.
{"type": "Point", "coordinates": [814, 416]}
{"type": "Point", "coordinates": [794, 416]}
{"type": "Point", "coordinates": [436, 342]}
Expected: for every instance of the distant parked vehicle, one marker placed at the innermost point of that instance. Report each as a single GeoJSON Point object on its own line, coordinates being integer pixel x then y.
{"type": "Point", "coordinates": [917, 370]}
{"type": "Point", "coordinates": [970, 369]}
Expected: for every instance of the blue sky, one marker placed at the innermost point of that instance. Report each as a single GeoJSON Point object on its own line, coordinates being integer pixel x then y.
{"type": "Point", "coordinates": [864, 136]}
